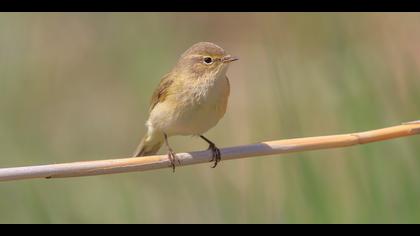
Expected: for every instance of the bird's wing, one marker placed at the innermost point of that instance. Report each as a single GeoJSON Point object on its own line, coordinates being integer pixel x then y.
{"type": "Point", "coordinates": [161, 91]}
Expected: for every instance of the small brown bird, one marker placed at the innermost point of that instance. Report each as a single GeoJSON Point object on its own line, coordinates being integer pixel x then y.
{"type": "Point", "coordinates": [189, 100]}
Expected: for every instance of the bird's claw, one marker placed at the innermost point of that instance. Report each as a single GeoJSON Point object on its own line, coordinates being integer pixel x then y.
{"type": "Point", "coordinates": [216, 155]}
{"type": "Point", "coordinates": [172, 157]}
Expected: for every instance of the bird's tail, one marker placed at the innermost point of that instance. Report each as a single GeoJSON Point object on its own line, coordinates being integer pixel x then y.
{"type": "Point", "coordinates": [150, 144]}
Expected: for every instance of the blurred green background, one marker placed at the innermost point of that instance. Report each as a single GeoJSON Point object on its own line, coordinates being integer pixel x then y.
{"type": "Point", "coordinates": [77, 86]}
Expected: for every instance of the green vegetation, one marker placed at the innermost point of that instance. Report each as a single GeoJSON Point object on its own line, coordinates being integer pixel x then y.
{"type": "Point", "coordinates": [77, 86]}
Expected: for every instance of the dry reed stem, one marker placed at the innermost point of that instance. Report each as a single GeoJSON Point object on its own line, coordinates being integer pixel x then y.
{"type": "Point", "coordinates": [102, 167]}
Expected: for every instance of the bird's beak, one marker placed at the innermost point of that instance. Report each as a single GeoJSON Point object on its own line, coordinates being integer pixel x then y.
{"type": "Point", "coordinates": [229, 58]}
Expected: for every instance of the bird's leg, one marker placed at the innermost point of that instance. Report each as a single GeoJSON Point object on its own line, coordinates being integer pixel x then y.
{"type": "Point", "coordinates": [171, 154]}
{"type": "Point", "coordinates": [215, 151]}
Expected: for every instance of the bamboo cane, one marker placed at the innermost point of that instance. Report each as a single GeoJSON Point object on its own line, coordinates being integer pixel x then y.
{"type": "Point", "coordinates": [113, 166]}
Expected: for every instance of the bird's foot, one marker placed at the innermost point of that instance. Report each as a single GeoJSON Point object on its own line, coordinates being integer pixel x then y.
{"type": "Point", "coordinates": [173, 158]}
{"type": "Point", "coordinates": [171, 154]}
{"type": "Point", "coordinates": [216, 154]}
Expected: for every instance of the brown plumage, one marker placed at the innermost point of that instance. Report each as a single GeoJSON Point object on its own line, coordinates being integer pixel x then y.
{"type": "Point", "coordinates": [189, 100]}
{"type": "Point", "coordinates": [161, 91]}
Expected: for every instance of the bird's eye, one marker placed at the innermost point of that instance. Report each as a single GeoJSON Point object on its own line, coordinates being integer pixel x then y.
{"type": "Point", "coordinates": [208, 60]}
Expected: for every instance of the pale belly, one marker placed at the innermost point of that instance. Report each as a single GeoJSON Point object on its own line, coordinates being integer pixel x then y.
{"type": "Point", "coordinates": [195, 120]}
{"type": "Point", "coordinates": [191, 118]}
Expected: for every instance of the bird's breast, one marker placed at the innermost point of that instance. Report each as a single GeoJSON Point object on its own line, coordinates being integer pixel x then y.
{"type": "Point", "coordinates": [206, 95]}
{"type": "Point", "coordinates": [199, 107]}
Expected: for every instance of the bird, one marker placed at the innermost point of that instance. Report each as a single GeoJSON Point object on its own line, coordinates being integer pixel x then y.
{"type": "Point", "coordinates": [189, 100]}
